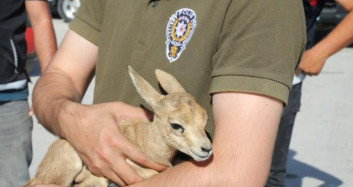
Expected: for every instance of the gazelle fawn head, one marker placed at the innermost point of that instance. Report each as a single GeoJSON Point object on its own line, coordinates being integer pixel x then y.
{"type": "Point", "coordinates": [180, 118]}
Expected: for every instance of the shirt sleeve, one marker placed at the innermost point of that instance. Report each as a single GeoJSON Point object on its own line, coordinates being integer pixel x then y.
{"type": "Point", "coordinates": [88, 20]}
{"type": "Point", "coordinates": [259, 48]}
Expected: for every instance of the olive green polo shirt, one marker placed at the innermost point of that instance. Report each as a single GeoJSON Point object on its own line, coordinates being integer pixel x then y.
{"type": "Point", "coordinates": [210, 46]}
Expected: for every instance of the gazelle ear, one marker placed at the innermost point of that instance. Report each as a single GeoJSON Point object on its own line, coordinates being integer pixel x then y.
{"type": "Point", "coordinates": [146, 91]}
{"type": "Point", "coordinates": [168, 82]}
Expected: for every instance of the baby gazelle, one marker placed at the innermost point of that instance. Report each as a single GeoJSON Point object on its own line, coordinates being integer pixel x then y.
{"type": "Point", "coordinates": [178, 124]}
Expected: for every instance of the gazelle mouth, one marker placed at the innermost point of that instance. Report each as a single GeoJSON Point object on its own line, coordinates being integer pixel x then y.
{"type": "Point", "coordinates": [198, 157]}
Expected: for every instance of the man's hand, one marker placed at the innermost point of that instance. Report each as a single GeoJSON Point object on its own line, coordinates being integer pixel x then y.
{"type": "Point", "coordinates": [312, 62]}
{"type": "Point", "coordinates": [97, 139]}
{"type": "Point", "coordinates": [91, 129]}
{"type": "Point", "coordinates": [341, 36]}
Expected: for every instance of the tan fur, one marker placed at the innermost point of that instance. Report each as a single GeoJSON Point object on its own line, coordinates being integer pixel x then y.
{"type": "Point", "coordinates": [158, 139]}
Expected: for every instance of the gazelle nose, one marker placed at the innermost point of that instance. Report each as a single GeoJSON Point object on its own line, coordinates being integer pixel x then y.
{"type": "Point", "coordinates": [206, 149]}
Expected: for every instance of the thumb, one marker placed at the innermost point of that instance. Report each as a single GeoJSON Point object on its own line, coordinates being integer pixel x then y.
{"type": "Point", "coordinates": [30, 112]}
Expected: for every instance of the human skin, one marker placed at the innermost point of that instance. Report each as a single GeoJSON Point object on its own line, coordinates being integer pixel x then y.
{"type": "Point", "coordinates": [242, 145]}
{"type": "Point", "coordinates": [342, 35]}
{"type": "Point", "coordinates": [241, 148]}
{"type": "Point", "coordinates": [44, 36]}
{"type": "Point", "coordinates": [91, 129]}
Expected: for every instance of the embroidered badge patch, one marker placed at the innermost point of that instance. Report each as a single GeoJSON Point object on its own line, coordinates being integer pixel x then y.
{"type": "Point", "coordinates": [179, 31]}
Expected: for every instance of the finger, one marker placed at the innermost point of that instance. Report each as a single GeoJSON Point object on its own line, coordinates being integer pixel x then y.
{"type": "Point", "coordinates": [30, 112]}
{"type": "Point", "coordinates": [126, 172]}
{"type": "Point", "coordinates": [114, 167]}
{"type": "Point", "coordinates": [113, 177]}
{"type": "Point", "coordinates": [305, 72]}
{"type": "Point", "coordinates": [138, 157]}
{"type": "Point", "coordinates": [143, 113]}
{"type": "Point", "coordinates": [106, 172]}
{"type": "Point", "coordinates": [130, 151]}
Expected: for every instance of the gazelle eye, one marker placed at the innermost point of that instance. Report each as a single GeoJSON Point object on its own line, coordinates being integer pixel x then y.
{"type": "Point", "coordinates": [176, 126]}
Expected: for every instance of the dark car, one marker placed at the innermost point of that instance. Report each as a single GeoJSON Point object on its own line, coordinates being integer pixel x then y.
{"type": "Point", "coordinates": [329, 18]}
{"type": "Point", "coordinates": [65, 8]}
{"type": "Point", "coordinates": [331, 15]}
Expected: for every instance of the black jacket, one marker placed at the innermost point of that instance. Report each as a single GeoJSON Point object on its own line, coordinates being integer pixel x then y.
{"type": "Point", "coordinates": [12, 45]}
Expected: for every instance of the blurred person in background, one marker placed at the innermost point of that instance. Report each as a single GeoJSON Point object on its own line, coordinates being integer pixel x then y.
{"type": "Point", "coordinates": [15, 119]}
{"type": "Point", "coordinates": [312, 63]}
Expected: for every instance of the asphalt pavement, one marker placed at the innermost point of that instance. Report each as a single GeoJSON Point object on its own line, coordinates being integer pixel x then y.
{"type": "Point", "coordinates": [321, 152]}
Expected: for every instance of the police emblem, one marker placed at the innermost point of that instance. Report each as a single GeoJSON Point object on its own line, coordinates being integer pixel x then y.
{"type": "Point", "coordinates": [179, 31]}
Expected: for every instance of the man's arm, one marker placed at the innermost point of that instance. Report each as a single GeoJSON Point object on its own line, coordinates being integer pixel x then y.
{"type": "Point", "coordinates": [91, 129]}
{"type": "Point", "coordinates": [342, 35]}
{"type": "Point", "coordinates": [44, 37]}
{"type": "Point", "coordinates": [245, 131]}
{"type": "Point", "coordinates": [63, 81]}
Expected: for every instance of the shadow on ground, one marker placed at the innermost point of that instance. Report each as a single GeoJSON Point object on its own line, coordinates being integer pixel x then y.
{"type": "Point", "coordinates": [298, 170]}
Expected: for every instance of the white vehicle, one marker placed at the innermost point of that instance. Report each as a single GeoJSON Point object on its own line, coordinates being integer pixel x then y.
{"type": "Point", "coordinates": [66, 8]}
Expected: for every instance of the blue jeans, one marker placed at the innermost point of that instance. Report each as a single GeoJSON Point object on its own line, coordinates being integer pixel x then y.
{"type": "Point", "coordinates": [15, 143]}
{"type": "Point", "coordinates": [277, 174]}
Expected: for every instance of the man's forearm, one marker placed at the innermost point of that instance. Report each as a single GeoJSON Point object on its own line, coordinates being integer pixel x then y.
{"type": "Point", "coordinates": [53, 96]}
{"type": "Point", "coordinates": [58, 92]}
{"type": "Point", "coordinates": [185, 174]}
{"type": "Point", "coordinates": [44, 37]}
{"type": "Point", "coordinates": [340, 37]}
{"type": "Point", "coordinates": [246, 127]}
{"type": "Point", "coordinates": [62, 86]}
{"type": "Point", "coordinates": [45, 43]}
